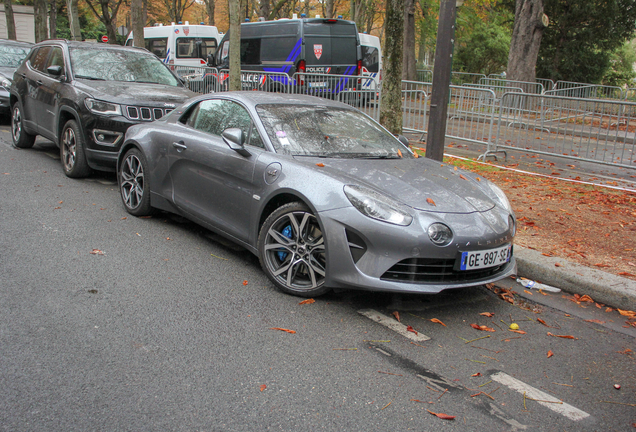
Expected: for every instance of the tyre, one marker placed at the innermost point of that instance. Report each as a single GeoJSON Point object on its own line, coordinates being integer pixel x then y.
{"type": "Point", "coordinates": [133, 184]}
{"type": "Point", "coordinates": [292, 251]}
{"type": "Point", "coordinates": [21, 139]}
{"type": "Point", "coordinates": [72, 151]}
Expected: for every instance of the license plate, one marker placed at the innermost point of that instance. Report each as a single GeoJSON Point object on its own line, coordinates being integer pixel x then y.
{"type": "Point", "coordinates": [317, 84]}
{"type": "Point", "coordinates": [485, 258]}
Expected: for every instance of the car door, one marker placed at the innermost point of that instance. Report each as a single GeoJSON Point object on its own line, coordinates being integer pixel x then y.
{"type": "Point", "coordinates": [49, 93]}
{"type": "Point", "coordinates": [211, 181]}
{"type": "Point", "coordinates": [32, 76]}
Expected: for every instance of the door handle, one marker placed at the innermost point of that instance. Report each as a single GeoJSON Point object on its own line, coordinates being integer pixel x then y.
{"type": "Point", "coordinates": [179, 146]}
{"type": "Point", "coordinates": [38, 82]}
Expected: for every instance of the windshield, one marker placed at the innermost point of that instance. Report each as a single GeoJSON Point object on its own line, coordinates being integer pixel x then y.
{"type": "Point", "coordinates": [301, 130]}
{"type": "Point", "coordinates": [119, 65]}
{"type": "Point", "coordinates": [12, 56]}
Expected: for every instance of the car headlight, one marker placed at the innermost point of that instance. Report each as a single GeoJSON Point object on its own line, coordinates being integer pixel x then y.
{"type": "Point", "coordinates": [503, 199]}
{"type": "Point", "coordinates": [102, 108]}
{"type": "Point", "coordinates": [512, 225]}
{"type": "Point", "coordinates": [377, 206]}
{"type": "Point", "coordinates": [440, 234]}
{"type": "Point", "coordinates": [6, 83]}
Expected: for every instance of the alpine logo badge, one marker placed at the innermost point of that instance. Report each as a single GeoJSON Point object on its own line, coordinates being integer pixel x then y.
{"type": "Point", "coordinates": [318, 51]}
{"type": "Point", "coordinates": [186, 30]}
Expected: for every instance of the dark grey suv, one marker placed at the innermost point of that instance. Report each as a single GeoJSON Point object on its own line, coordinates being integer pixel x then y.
{"type": "Point", "coordinates": [83, 96]}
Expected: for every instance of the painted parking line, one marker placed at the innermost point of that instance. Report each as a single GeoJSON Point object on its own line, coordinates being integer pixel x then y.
{"type": "Point", "coordinates": [392, 324]}
{"type": "Point", "coordinates": [542, 398]}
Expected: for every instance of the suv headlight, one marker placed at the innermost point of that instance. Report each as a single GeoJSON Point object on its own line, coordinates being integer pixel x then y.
{"type": "Point", "coordinates": [6, 83]}
{"type": "Point", "coordinates": [503, 199]}
{"type": "Point", "coordinates": [377, 206]}
{"type": "Point", "coordinates": [101, 107]}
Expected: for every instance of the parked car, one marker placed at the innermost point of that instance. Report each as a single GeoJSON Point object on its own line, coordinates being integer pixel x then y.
{"type": "Point", "coordinates": [83, 96]}
{"type": "Point", "coordinates": [321, 193]}
{"type": "Point", "coordinates": [11, 55]}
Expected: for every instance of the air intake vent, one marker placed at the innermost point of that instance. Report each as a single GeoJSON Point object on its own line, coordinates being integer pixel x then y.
{"type": "Point", "coordinates": [428, 270]}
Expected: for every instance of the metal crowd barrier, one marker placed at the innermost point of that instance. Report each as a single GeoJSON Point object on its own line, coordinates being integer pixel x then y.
{"type": "Point", "coordinates": [586, 91]}
{"type": "Point", "coordinates": [526, 87]}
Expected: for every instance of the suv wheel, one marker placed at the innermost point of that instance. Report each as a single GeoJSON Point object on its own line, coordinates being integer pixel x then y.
{"type": "Point", "coordinates": [21, 139]}
{"type": "Point", "coordinates": [72, 151]}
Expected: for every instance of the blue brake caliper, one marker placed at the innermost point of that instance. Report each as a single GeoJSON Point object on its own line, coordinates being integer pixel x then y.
{"type": "Point", "coordinates": [287, 232]}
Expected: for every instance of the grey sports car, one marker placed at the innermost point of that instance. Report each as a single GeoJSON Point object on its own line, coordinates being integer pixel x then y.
{"type": "Point", "coordinates": [321, 193]}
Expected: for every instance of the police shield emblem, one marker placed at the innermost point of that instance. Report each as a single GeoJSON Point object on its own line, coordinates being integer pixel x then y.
{"type": "Point", "coordinates": [318, 51]}
{"type": "Point", "coordinates": [186, 30]}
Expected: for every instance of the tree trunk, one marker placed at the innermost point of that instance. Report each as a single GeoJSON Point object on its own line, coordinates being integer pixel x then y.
{"type": "Point", "coordinates": [53, 20]}
{"type": "Point", "coordinates": [265, 9]}
{"type": "Point", "coordinates": [526, 38]}
{"type": "Point", "coordinates": [409, 68]}
{"type": "Point", "coordinates": [329, 8]}
{"type": "Point", "coordinates": [391, 103]}
{"type": "Point", "coordinates": [73, 19]}
{"type": "Point", "coordinates": [40, 17]}
{"type": "Point", "coordinates": [8, 10]}
{"type": "Point", "coordinates": [209, 7]}
{"type": "Point", "coordinates": [137, 22]}
{"type": "Point", "coordinates": [234, 11]}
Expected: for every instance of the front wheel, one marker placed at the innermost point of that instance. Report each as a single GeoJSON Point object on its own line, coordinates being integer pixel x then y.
{"type": "Point", "coordinates": [133, 184]}
{"type": "Point", "coordinates": [21, 139]}
{"type": "Point", "coordinates": [73, 151]}
{"type": "Point", "coordinates": [292, 251]}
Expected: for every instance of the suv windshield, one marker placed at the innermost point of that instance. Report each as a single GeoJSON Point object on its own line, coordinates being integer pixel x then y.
{"type": "Point", "coordinates": [119, 65]}
{"type": "Point", "coordinates": [330, 132]}
{"type": "Point", "coordinates": [12, 56]}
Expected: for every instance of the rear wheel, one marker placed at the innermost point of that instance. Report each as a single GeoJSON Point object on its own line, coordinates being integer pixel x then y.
{"type": "Point", "coordinates": [21, 139]}
{"type": "Point", "coordinates": [292, 251]}
{"type": "Point", "coordinates": [72, 151]}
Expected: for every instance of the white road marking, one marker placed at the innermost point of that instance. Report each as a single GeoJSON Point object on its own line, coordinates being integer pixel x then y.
{"type": "Point", "coordinates": [553, 403]}
{"type": "Point", "coordinates": [392, 324]}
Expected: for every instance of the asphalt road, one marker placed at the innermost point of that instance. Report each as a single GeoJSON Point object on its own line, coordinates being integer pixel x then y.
{"type": "Point", "coordinates": [171, 329]}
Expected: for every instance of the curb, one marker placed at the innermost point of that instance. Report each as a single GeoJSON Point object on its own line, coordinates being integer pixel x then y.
{"type": "Point", "coordinates": [574, 278]}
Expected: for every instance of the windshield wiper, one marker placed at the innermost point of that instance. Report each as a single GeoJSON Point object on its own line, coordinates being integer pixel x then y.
{"type": "Point", "coordinates": [89, 78]}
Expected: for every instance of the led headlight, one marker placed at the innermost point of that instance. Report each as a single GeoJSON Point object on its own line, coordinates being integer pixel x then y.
{"type": "Point", "coordinates": [503, 199]}
{"type": "Point", "coordinates": [440, 234]}
{"type": "Point", "coordinates": [102, 107]}
{"type": "Point", "coordinates": [377, 206]}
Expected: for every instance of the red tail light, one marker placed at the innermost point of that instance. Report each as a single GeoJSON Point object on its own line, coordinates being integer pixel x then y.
{"type": "Point", "coordinates": [300, 79]}
{"type": "Point", "coordinates": [359, 70]}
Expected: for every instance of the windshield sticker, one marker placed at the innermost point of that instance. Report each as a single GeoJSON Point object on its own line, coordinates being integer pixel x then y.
{"type": "Point", "coordinates": [283, 141]}
{"type": "Point", "coordinates": [318, 51]}
{"type": "Point", "coordinates": [281, 134]}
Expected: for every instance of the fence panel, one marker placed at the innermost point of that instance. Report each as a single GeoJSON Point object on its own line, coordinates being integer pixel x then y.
{"type": "Point", "coordinates": [587, 91]}
{"type": "Point", "coordinates": [200, 79]}
{"type": "Point", "coordinates": [526, 87]}
{"type": "Point", "coordinates": [592, 130]}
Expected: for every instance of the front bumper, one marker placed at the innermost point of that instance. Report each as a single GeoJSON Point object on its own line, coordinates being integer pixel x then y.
{"type": "Point", "coordinates": [363, 253]}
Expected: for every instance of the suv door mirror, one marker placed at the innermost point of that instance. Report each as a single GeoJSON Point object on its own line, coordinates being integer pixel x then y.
{"type": "Point", "coordinates": [235, 139]}
{"type": "Point", "coordinates": [54, 70]}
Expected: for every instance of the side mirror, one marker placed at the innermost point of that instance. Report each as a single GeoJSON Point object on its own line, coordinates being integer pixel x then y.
{"type": "Point", "coordinates": [211, 60]}
{"type": "Point", "coordinates": [235, 139]}
{"type": "Point", "coordinates": [54, 70]}
{"type": "Point", "coordinates": [404, 140]}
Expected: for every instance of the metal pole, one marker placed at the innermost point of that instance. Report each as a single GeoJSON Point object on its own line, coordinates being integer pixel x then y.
{"type": "Point", "coordinates": [441, 80]}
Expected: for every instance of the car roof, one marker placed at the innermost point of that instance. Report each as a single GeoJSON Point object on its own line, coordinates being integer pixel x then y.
{"type": "Point", "coordinates": [91, 45]}
{"type": "Point", "coordinates": [254, 98]}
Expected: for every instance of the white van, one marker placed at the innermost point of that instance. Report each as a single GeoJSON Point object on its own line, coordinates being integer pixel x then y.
{"type": "Point", "coordinates": [181, 44]}
{"type": "Point", "coordinates": [371, 61]}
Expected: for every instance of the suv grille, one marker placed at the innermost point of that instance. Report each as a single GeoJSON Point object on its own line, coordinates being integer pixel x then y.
{"type": "Point", "coordinates": [427, 270]}
{"type": "Point", "coordinates": [145, 113]}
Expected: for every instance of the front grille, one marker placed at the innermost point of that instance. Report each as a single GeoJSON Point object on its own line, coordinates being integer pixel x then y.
{"type": "Point", "coordinates": [145, 113]}
{"type": "Point", "coordinates": [430, 270]}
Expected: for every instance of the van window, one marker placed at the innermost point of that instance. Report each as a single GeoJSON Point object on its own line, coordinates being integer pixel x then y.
{"type": "Point", "coordinates": [330, 44]}
{"type": "Point", "coordinates": [277, 49]}
{"type": "Point", "coordinates": [250, 51]}
{"type": "Point", "coordinates": [371, 58]}
{"type": "Point", "coordinates": [187, 47]}
{"type": "Point", "coordinates": [157, 46]}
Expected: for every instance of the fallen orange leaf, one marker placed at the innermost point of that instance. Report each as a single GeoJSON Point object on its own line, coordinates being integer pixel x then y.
{"type": "Point", "coordinates": [244, 282]}
{"type": "Point", "coordinates": [399, 153]}
{"type": "Point", "coordinates": [517, 331]}
{"type": "Point", "coordinates": [283, 329]}
{"type": "Point", "coordinates": [430, 201]}
{"type": "Point", "coordinates": [411, 329]}
{"type": "Point", "coordinates": [308, 301]}
{"type": "Point", "coordinates": [416, 155]}
{"type": "Point", "coordinates": [442, 415]}
{"type": "Point", "coordinates": [435, 320]}
{"type": "Point", "coordinates": [488, 314]}
{"type": "Point", "coordinates": [562, 336]}
{"type": "Point", "coordinates": [476, 374]}
{"type": "Point", "coordinates": [586, 298]}
{"type": "Point", "coordinates": [626, 274]}
{"type": "Point", "coordinates": [396, 314]}
{"type": "Point", "coordinates": [482, 328]}
{"type": "Point", "coordinates": [630, 314]}
{"type": "Point", "coordinates": [263, 387]}
{"type": "Point", "coordinates": [595, 321]}
{"type": "Point", "coordinates": [320, 164]}
{"type": "Point", "coordinates": [550, 353]}
{"type": "Point", "coordinates": [542, 322]}
{"type": "Point", "coordinates": [461, 176]}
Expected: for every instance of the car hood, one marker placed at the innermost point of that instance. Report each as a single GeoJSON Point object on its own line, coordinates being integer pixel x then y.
{"type": "Point", "coordinates": [414, 182]}
{"type": "Point", "coordinates": [132, 93]}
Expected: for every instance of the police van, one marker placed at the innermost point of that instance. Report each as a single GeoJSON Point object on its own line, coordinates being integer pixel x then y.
{"type": "Point", "coordinates": [302, 53]}
{"type": "Point", "coordinates": [371, 63]}
{"type": "Point", "coordinates": [181, 44]}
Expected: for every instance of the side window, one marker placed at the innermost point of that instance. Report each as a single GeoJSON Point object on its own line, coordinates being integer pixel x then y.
{"type": "Point", "coordinates": [251, 51]}
{"type": "Point", "coordinates": [225, 50]}
{"type": "Point", "coordinates": [56, 58]}
{"type": "Point", "coordinates": [371, 59]}
{"type": "Point", "coordinates": [38, 58]}
{"type": "Point", "coordinates": [157, 46]}
{"type": "Point", "coordinates": [278, 49]}
{"type": "Point", "coordinates": [214, 116]}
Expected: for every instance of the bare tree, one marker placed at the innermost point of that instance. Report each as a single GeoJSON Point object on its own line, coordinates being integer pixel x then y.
{"type": "Point", "coordinates": [40, 16]}
{"type": "Point", "coordinates": [409, 70]}
{"type": "Point", "coordinates": [8, 10]}
{"type": "Point", "coordinates": [53, 19]}
{"type": "Point", "coordinates": [526, 38]}
{"type": "Point", "coordinates": [264, 9]}
{"type": "Point", "coordinates": [329, 8]}
{"type": "Point", "coordinates": [234, 12]}
{"type": "Point", "coordinates": [108, 16]}
{"type": "Point", "coordinates": [73, 19]}
{"type": "Point", "coordinates": [137, 22]}
{"type": "Point", "coordinates": [209, 7]}
{"type": "Point", "coordinates": [176, 8]}
{"type": "Point", "coordinates": [391, 103]}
